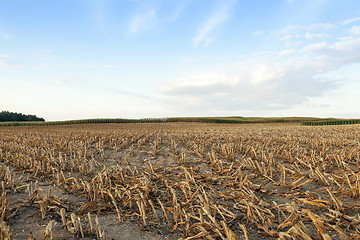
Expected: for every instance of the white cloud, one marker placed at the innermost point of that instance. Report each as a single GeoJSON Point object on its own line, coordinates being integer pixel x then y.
{"type": "Point", "coordinates": [217, 18]}
{"type": "Point", "coordinates": [320, 26]}
{"type": "Point", "coordinates": [312, 36]}
{"type": "Point", "coordinates": [143, 21]}
{"type": "Point", "coordinates": [315, 46]}
{"type": "Point", "coordinates": [264, 73]}
{"type": "Point", "coordinates": [291, 37]}
{"type": "Point", "coordinates": [355, 30]}
{"type": "Point", "coordinates": [287, 52]}
{"type": "Point", "coordinates": [271, 80]}
{"type": "Point", "coordinates": [255, 85]}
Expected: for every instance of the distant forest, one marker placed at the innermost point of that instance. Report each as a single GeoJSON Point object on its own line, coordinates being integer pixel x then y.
{"type": "Point", "coordinates": [6, 116]}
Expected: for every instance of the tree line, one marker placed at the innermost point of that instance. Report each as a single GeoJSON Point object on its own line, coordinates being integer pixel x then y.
{"type": "Point", "coordinates": [6, 116]}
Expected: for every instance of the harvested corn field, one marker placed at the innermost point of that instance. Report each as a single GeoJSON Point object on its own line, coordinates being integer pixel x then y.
{"type": "Point", "coordinates": [180, 180]}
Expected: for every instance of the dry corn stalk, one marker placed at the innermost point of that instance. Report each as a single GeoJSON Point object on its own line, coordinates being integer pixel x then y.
{"type": "Point", "coordinates": [245, 168]}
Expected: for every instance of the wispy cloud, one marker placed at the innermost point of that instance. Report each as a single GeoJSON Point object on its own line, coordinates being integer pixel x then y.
{"type": "Point", "coordinates": [297, 35]}
{"type": "Point", "coordinates": [6, 36]}
{"type": "Point", "coordinates": [8, 62]}
{"type": "Point", "coordinates": [194, 59]}
{"type": "Point", "coordinates": [312, 36]}
{"type": "Point", "coordinates": [99, 10]}
{"type": "Point", "coordinates": [140, 16]}
{"type": "Point", "coordinates": [71, 81]}
{"type": "Point", "coordinates": [178, 9]}
{"type": "Point", "coordinates": [131, 94]}
{"type": "Point", "coordinates": [143, 21]}
{"type": "Point", "coordinates": [351, 20]}
{"type": "Point", "coordinates": [45, 55]}
{"type": "Point", "coordinates": [217, 18]}
{"type": "Point", "coordinates": [316, 27]}
{"type": "Point", "coordinates": [154, 14]}
{"type": "Point", "coordinates": [316, 46]}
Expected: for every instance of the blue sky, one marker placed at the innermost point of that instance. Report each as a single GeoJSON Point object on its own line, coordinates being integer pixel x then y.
{"type": "Point", "coordinates": [73, 59]}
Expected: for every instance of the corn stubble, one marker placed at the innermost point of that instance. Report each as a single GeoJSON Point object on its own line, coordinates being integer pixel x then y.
{"type": "Point", "coordinates": [203, 181]}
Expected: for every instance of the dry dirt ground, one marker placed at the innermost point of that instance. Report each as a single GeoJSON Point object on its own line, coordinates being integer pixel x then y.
{"type": "Point", "coordinates": [180, 180]}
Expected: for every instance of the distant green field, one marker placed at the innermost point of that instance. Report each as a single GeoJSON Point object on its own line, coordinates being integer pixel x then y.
{"type": "Point", "coordinates": [308, 121]}
{"type": "Point", "coordinates": [83, 121]}
{"type": "Point", "coordinates": [235, 119]}
{"type": "Point", "coordinates": [232, 119]}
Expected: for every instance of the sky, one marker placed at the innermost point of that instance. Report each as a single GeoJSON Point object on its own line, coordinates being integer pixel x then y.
{"type": "Point", "coordinates": [79, 59]}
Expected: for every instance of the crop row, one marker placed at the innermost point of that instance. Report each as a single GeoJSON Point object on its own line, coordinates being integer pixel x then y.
{"type": "Point", "coordinates": [145, 120]}
{"type": "Point", "coordinates": [331, 122]}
